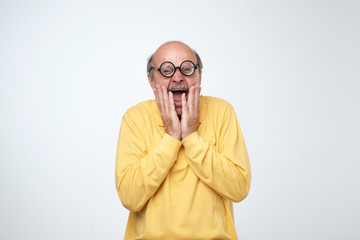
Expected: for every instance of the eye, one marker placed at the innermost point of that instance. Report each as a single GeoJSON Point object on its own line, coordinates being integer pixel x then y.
{"type": "Point", "coordinates": [167, 70]}
{"type": "Point", "coordinates": [187, 68]}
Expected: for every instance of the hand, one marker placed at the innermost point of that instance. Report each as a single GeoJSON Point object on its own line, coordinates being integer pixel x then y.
{"type": "Point", "coordinates": [165, 102]}
{"type": "Point", "coordinates": [190, 111]}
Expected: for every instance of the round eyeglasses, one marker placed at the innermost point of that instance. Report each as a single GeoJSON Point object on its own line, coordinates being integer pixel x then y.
{"type": "Point", "coordinates": [167, 69]}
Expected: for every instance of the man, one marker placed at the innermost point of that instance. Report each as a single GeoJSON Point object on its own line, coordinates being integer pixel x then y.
{"type": "Point", "coordinates": [181, 160]}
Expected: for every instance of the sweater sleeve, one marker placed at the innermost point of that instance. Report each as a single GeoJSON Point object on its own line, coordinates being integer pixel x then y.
{"type": "Point", "coordinates": [224, 166]}
{"type": "Point", "coordinates": [138, 173]}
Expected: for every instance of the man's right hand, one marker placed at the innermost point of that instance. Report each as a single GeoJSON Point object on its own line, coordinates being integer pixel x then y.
{"type": "Point", "coordinates": [165, 102]}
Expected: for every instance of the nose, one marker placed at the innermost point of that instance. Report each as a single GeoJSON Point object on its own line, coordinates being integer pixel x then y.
{"type": "Point", "coordinates": [178, 76]}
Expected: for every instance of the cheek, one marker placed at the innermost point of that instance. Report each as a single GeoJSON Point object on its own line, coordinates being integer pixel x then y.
{"type": "Point", "coordinates": [161, 82]}
{"type": "Point", "coordinates": [193, 81]}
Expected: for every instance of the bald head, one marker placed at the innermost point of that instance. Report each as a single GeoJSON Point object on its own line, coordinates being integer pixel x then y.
{"type": "Point", "coordinates": [173, 51]}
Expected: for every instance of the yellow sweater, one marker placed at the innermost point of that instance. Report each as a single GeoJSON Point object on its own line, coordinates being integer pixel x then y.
{"type": "Point", "coordinates": [181, 190]}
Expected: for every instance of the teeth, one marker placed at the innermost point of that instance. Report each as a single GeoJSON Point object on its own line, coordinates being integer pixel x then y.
{"type": "Point", "coordinates": [179, 90]}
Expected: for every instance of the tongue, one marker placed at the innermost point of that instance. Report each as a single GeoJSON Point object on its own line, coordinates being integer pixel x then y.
{"type": "Point", "coordinates": [177, 96]}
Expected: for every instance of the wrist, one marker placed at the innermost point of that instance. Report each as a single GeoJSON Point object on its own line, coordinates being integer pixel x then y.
{"type": "Point", "coordinates": [189, 135]}
{"type": "Point", "coordinates": [174, 135]}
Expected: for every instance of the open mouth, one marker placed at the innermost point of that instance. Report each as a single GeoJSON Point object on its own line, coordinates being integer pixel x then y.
{"type": "Point", "coordinates": [177, 93]}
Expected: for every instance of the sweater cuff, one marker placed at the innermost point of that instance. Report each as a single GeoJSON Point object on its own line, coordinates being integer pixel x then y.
{"type": "Point", "coordinates": [191, 139]}
{"type": "Point", "coordinates": [170, 144]}
{"type": "Point", "coordinates": [165, 153]}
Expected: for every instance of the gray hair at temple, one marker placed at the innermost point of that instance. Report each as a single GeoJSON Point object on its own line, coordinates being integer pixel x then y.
{"type": "Point", "coordinates": [149, 64]}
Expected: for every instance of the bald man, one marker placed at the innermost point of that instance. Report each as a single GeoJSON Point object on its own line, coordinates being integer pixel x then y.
{"type": "Point", "coordinates": [181, 159]}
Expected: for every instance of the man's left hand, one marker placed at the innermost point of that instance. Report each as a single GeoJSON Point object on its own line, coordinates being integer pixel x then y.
{"type": "Point", "coordinates": [190, 111]}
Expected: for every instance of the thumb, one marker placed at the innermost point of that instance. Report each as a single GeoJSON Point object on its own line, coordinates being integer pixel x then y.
{"type": "Point", "coordinates": [184, 106]}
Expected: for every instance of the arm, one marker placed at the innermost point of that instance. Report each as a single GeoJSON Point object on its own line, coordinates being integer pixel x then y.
{"type": "Point", "coordinates": [225, 165]}
{"type": "Point", "coordinates": [139, 173]}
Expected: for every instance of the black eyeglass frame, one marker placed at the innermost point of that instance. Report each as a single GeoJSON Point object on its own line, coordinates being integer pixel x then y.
{"type": "Point", "coordinates": [195, 66]}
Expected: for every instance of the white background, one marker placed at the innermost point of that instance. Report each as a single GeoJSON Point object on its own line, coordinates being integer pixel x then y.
{"type": "Point", "coordinates": [70, 69]}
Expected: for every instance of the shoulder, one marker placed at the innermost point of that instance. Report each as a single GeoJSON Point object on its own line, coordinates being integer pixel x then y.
{"type": "Point", "coordinates": [213, 109]}
{"type": "Point", "coordinates": [140, 110]}
{"type": "Point", "coordinates": [216, 104]}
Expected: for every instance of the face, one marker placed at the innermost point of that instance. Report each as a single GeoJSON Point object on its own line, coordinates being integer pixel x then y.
{"type": "Point", "coordinates": [176, 53]}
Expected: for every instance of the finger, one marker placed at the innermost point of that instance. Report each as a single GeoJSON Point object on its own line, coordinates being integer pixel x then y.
{"type": "Point", "coordinates": [184, 107]}
{"type": "Point", "coordinates": [159, 98]}
{"type": "Point", "coordinates": [190, 101]}
{"type": "Point", "coordinates": [165, 99]}
{"type": "Point", "coordinates": [171, 103]}
{"type": "Point", "coordinates": [197, 97]}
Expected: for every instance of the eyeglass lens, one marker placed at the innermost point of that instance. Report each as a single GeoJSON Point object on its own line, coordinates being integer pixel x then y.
{"type": "Point", "coordinates": [168, 69]}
